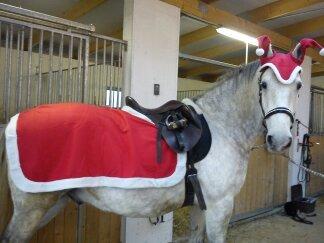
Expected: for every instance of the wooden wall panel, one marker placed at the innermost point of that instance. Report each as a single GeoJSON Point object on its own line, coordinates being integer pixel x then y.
{"type": "Point", "coordinates": [266, 182]}
{"type": "Point", "coordinates": [280, 180]}
{"type": "Point", "coordinates": [316, 184]}
{"type": "Point", "coordinates": [100, 226]}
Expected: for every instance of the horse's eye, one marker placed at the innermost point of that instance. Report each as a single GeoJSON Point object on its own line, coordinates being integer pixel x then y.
{"type": "Point", "coordinates": [299, 85]}
{"type": "Point", "coordinates": [263, 85]}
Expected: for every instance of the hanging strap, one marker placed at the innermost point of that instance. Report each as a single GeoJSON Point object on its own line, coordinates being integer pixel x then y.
{"type": "Point", "coordinates": [193, 188]}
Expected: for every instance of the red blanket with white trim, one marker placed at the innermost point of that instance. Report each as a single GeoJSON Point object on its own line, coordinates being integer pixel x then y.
{"type": "Point", "coordinates": [84, 145]}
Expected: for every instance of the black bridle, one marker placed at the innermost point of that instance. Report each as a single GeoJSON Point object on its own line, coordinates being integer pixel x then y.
{"type": "Point", "coordinates": [274, 111]}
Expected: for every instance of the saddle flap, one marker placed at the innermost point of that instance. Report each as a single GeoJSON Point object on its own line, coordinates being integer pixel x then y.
{"type": "Point", "coordinates": [189, 137]}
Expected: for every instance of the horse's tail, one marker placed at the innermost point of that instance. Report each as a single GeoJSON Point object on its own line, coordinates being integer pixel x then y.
{"type": "Point", "coordinates": [2, 142]}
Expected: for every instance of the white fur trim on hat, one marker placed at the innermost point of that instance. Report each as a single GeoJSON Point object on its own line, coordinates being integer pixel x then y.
{"type": "Point", "coordinates": [259, 52]}
{"type": "Point", "coordinates": [292, 77]}
{"type": "Point", "coordinates": [321, 52]}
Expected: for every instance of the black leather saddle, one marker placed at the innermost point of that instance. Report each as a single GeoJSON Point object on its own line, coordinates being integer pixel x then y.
{"type": "Point", "coordinates": [178, 124]}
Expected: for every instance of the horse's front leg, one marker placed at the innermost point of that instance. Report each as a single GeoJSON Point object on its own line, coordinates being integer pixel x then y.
{"type": "Point", "coordinates": [197, 225]}
{"type": "Point", "coordinates": [217, 219]}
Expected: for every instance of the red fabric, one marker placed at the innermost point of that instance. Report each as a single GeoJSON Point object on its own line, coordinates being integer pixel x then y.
{"type": "Point", "coordinates": [307, 43]}
{"type": "Point", "coordinates": [264, 43]}
{"type": "Point", "coordinates": [285, 63]}
{"type": "Point", "coordinates": [62, 141]}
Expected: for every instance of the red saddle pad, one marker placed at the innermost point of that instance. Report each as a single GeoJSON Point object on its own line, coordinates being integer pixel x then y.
{"type": "Point", "coordinates": [63, 142]}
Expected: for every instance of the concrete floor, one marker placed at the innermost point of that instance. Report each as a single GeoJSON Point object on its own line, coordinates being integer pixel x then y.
{"type": "Point", "coordinates": [280, 229]}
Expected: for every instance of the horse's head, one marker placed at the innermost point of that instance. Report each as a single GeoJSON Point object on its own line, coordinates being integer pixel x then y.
{"type": "Point", "coordinates": [279, 83]}
{"type": "Point", "coordinates": [281, 99]}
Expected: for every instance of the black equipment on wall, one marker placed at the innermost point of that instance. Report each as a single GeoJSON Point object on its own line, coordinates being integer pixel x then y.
{"type": "Point", "coordinates": [306, 158]}
{"type": "Point", "coordinates": [300, 204]}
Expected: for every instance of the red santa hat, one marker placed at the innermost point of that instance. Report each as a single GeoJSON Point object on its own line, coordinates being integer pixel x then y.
{"type": "Point", "coordinates": [285, 66]}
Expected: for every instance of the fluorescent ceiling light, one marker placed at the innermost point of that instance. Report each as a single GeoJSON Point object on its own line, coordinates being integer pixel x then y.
{"type": "Point", "coordinates": [238, 36]}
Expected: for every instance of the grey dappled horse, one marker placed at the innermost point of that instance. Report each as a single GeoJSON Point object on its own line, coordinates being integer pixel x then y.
{"type": "Point", "coordinates": [234, 116]}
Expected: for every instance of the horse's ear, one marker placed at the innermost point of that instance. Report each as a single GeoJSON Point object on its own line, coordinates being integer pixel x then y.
{"type": "Point", "coordinates": [300, 49]}
{"type": "Point", "coordinates": [265, 48]}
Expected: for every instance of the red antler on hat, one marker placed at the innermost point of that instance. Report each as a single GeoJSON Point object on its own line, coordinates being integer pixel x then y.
{"type": "Point", "coordinates": [264, 44]}
{"type": "Point", "coordinates": [300, 49]}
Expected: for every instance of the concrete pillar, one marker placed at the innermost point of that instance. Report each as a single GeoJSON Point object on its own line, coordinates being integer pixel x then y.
{"type": "Point", "coordinates": [151, 28]}
{"type": "Point", "coordinates": [302, 114]}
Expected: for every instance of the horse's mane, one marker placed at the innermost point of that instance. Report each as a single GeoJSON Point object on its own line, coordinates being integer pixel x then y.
{"type": "Point", "coordinates": [234, 78]}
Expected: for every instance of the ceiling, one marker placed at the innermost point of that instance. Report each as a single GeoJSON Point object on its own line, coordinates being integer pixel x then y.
{"type": "Point", "coordinates": [314, 11]}
{"type": "Point", "coordinates": [107, 16]}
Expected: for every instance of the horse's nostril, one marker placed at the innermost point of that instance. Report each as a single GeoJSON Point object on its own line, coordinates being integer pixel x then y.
{"type": "Point", "coordinates": [269, 139]}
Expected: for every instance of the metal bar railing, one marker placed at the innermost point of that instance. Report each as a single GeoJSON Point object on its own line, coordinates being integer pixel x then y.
{"type": "Point", "coordinates": [44, 17]}
{"type": "Point", "coordinates": [79, 86]}
{"type": "Point", "coordinates": [70, 80]}
{"type": "Point", "coordinates": [119, 75]}
{"type": "Point", "coordinates": [60, 84]}
{"type": "Point", "coordinates": [107, 38]}
{"type": "Point", "coordinates": [40, 63]}
{"type": "Point", "coordinates": [9, 70]}
{"type": "Point", "coordinates": [188, 94]}
{"type": "Point", "coordinates": [40, 27]}
{"type": "Point", "coordinates": [206, 60]}
{"type": "Point", "coordinates": [105, 69]}
{"type": "Point", "coordinates": [95, 98]}
{"type": "Point", "coordinates": [30, 48]}
{"type": "Point", "coordinates": [317, 111]}
{"type": "Point", "coordinates": [5, 89]}
{"type": "Point", "coordinates": [85, 85]}
{"type": "Point", "coordinates": [111, 75]}
{"type": "Point", "coordinates": [20, 73]}
{"type": "Point", "coordinates": [45, 64]}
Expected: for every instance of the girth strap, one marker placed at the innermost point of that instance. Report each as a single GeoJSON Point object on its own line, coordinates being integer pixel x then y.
{"type": "Point", "coordinates": [196, 154]}
{"type": "Point", "coordinates": [193, 188]}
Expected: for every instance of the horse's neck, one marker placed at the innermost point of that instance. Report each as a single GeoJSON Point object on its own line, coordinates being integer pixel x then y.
{"type": "Point", "coordinates": [235, 114]}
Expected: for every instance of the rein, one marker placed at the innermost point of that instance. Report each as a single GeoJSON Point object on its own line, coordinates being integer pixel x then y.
{"type": "Point", "coordinates": [290, 160]}
{"type": "Point", "coordinates": [315, 173]}
{"type": "Point", "coordinates": [274, 111]}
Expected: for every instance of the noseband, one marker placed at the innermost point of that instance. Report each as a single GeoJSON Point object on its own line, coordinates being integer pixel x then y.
{"type": "Point", "coordinates": [274, 111]}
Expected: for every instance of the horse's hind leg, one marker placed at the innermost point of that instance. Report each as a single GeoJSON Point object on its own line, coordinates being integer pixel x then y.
{"type": "Point", "coordinates": [29, 210]}
{"type": "Point", "coordinates": [53, 211]}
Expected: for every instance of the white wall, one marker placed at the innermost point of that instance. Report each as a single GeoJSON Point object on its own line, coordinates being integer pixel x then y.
{"type": "Point", "coordinates": [302, 113]}
{"type": "Point", "coordinates": [152, 29]}
{"type": "Point", "coordinates": [152, 53]}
